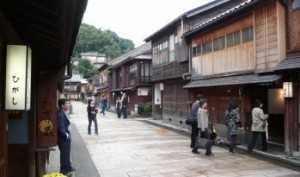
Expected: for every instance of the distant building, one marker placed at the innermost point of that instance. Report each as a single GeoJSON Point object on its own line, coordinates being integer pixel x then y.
{"type": "Point", "coordinates": [72, 87]}
{"type": "Point", "coordinates": [96, 58]}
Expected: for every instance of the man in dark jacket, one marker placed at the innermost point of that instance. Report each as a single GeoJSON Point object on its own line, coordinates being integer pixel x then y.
{"type": "Point", "coordinates": [195, 129]}
{"type": "Point", "coordinates": [64, 136]}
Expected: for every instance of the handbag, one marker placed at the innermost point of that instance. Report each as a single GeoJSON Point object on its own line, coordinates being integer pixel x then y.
{"type": "Point", "coordinates": [202, 143]}
{"type": "Point", "coordinates": [264, 124]}
{"type": "Point", "coordinates": [191, 121]}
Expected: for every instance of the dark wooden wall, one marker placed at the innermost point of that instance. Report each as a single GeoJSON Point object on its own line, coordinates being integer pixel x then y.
{"type": "Point", "coordinates": [293, 31]}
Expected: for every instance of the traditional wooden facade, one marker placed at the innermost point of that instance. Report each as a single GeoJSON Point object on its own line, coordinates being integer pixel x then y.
{"type": "Point", "coordinates": [289, 68]}
{"type": "Point", "coordinates": [49, 28]}
{"type": "Point", "coordinates": [72, 87]}
{"type": "Point", "coordinates": [130, 73]}
{"type": "Point", "coordinates": [103, 89]}
{"type": "Point", "coordinates": [235, 55]}
{"type": "Point", "coordinates": [171, 69]}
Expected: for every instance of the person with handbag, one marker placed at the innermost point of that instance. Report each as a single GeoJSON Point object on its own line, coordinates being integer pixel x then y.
{"type": "Point", "coordinates": [193, 121]}
{"type": "Point", "coordinates": [233, 122]}
{"type": "Point", "coordinates": [258, 126]}
{"type": "Point", "coordinates": [202, 117]}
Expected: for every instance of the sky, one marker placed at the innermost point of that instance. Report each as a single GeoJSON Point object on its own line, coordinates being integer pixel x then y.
{"type": "Point", "coordinates": [136, 19]}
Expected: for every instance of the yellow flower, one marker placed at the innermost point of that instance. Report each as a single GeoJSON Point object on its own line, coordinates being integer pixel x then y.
{"type": "Point", "coordinates": [54, 174]}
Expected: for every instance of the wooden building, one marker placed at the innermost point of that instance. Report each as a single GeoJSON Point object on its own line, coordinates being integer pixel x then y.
{"type": "Point", "coordinates": [44, 33]}
{"type": "Point", "coordinates": [235, 54]}
{"type": "Point", "coordinates": [103, 88]}
{"type": "Point", "coordinates": [130, 73]}
{"type": "Point", "coordinates": [72, 87]}
{"type": "Point", "coordinates": [289, 69]}
{"type": "Point", "coordinates": [171, 70]}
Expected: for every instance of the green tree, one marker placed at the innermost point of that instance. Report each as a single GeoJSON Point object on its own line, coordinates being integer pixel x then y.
{"type": "Point", "coordinates": [104, 41]}
{"type": "Point", "coordinates": [86, 68]}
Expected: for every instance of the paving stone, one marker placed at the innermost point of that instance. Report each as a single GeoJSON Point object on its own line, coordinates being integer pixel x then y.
{"type": "Point", "coordinates": [133, 148]}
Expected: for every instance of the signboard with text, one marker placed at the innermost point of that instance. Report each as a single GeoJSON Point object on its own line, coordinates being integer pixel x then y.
{"type": "Point", "coordinates": [18, 77]}
{"type": "Point", "coordinates": [46, 111]}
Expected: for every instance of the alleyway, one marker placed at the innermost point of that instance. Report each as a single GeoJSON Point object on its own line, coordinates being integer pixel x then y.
{"type": "Point", "coordinates": [132, 148]}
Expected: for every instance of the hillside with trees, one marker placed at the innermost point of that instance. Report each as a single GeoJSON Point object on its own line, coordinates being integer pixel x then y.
{"type": "Point", "coordinates": [104, 41]}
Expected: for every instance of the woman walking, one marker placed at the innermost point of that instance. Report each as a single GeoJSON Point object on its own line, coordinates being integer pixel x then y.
{"type": "Point", "coordinates": [202, 117]}
{"type": "Point", "coordinates": [258, 126]}
{"type": "Point", "coordinates": [92, 111]}
{"type": "Point", "coordinates": [233, 122]}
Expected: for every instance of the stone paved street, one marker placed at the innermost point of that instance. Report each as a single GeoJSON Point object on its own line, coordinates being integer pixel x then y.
{"type": "Point", "coordinates": [133, 148]}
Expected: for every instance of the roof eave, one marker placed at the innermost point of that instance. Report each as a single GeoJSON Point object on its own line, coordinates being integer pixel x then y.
{"type": "Point", "coordinates": [192, 32]}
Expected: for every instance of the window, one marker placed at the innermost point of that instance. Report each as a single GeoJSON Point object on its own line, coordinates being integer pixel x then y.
{"type": "Point", "coordinates": [176, 39]}
{"type": "Point", "coordinates": [196, 51]}
{"type": "Point", "coordinates": [233, 39]}
{"type": "Point", "coordinates": [171, 48]}
{"type": "Point", "coordinates": [160, 47]}
{"type": "Point", "coordinates": [118, 78]}
{"type": "Point", "coordinates": [247, 34]}
{"type": "Point", "coordinates": [145, 72]}
{"type": "Point", "coordinates": [207, 47]}
{"type": "Point", "coordinates": [219, 43]}
{"type": "Point", "coordinates": [132, 74]}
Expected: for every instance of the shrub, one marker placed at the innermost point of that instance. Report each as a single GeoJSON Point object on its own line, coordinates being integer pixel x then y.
{"type": "Point", "coordinates": [145, 108]}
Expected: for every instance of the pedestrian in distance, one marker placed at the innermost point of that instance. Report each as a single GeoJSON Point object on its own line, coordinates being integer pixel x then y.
{"type": "Point", "coordinates": [92, 116]}
{"type": "Point", "coordinates": [64, 136]}
{"type": "Point", "coordinates": [103, 105]}
{"type": "Point", "coordinates": [233, 122]}
{"type": "Point", "coordinates": [124, 101]}
{"type": "Point", "coordinates": [118, 107]}
{"type": "Point", "coordinates": [202, 118]}
{"type": "Point", "coordinates": [258, 126]}
{"type": "Point", "coordinates": [194, 125]}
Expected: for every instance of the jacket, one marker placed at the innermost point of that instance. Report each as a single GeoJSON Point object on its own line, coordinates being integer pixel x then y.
{"type": "Point", "coordinates": [202, 117]}
{"type": "Point", "coordinates": [258, 118]}
{"type": "Point", "coordinates": [63, 125]}
{"type": "Point", "coordinates": [232, 121]}
{"type": "Point", "coordinates": [195, 108]}
{"type": "Point", "coordinates": [91, 111]}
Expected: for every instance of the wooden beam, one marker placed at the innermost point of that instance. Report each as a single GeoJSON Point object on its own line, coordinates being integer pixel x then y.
{"type": "Point", "coordinates": [31, 16]}
{"type": "Point", "coordinates": [17, 21]}
{"type": "Point", "coordinates": [38, 5]}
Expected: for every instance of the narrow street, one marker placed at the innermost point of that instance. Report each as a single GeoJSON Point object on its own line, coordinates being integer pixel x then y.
{"type": "Point", "coordinates": [133, 148]}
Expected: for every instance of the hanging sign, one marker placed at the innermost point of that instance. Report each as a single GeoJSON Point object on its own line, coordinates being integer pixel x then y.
{"type": "Point", "coordinates": [18, 77]}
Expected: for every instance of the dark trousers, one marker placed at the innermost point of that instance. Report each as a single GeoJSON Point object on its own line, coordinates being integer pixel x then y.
{"type": "Point", "coordinates": [194, 134]}
{"type": "Point", "coordinates": [124, 111]}
{"type": "Point", "coordinates": [95, 124]}
{"type": "Point", "coordinates": [208, 147]}
{"type": "Point", "coordinates": [119, 112]}
{"type": "Point", "coordinates": [253, 140]}
{"type": "Point", "coordinates": [233, 139]}
{"type": "Point", "coordinates": [206, 135]}
{"type": "Point", "coordinates": [65, 152]}
{"type": "Point", "coordinates": [103, 108]}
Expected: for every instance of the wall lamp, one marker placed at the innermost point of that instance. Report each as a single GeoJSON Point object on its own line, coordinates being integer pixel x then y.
{"type": "Point", "coordinates": [288, 89]}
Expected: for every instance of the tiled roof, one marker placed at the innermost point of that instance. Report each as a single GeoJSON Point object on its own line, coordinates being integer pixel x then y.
{"type": "Point", "coordinates": [93, 54]}
{"type": "Point", "coordinates": [188, 14]}
{"type": "Point", "coordinates": [74, 78]}
{"type": "Point", "coordinates": [290, 63]}
{"type": "Point", "coordinates": [133, 53]}
{"type": "Point", "coordinates": [233, 80]}
{"type": "Point", "coordinates": [220, 15]}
